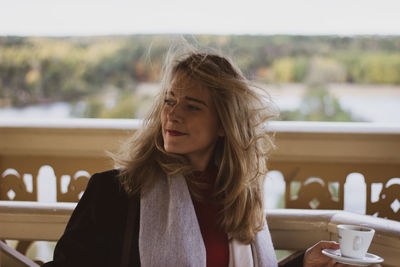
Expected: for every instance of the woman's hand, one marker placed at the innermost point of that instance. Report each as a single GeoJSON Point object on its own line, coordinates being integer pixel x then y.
{"type": "Point", "coordinates": [314, 257]}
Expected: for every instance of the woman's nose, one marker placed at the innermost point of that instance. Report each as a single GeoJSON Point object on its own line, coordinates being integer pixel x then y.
{"type": "Point", "coordinates": [175, 113]}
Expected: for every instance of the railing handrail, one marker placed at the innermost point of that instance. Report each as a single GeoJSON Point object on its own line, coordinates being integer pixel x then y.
{"type": "Point", "coordinates": [87, 123]}
{"type": "Point", "coordinates": [296, 141]}
{"type": "Point", "coordinates": [290, 229]}
{"type": "Point", "coordinates": [278, 219]}
{"type": "Point", "coordinates": [274, 126]}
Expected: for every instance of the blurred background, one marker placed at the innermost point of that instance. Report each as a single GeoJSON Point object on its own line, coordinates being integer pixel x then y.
{"type": "Point", "coordinates": [320, 60]}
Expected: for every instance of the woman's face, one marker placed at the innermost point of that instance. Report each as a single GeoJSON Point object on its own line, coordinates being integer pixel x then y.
{"type": "Point", "coordinates": [189, 121]}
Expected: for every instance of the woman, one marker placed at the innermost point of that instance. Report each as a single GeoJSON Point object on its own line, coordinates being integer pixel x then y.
{"type": "Point", "coordinates": [188, 187]}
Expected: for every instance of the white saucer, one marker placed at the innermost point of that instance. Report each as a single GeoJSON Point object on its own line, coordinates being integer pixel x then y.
{"type": "Point", "coordinates": [367, 260]}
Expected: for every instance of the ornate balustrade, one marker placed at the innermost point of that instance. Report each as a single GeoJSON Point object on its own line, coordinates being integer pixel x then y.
{"type": "Point", "coordinates": [314, 159]}
{"type": "Point", "coordinates": [318, 155]}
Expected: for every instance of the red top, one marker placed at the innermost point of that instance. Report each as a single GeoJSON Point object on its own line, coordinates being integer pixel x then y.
{"type": "Point", "coordinates": [215, 240]}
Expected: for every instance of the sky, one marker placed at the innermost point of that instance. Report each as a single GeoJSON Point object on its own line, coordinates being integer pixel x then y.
{"type": "Point", "coordinates": [103, 17]}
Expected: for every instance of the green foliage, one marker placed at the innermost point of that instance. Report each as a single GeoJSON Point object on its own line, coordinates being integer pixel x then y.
{"type": "Point", "coordinates": [300, 69]}
{"type": "Point", "coordinates": [281, 202]}
{"type": "Point", "coordinates": [126, 108]}
{"type": "Point", "coordinates": [36, 70]}
{"type": "Point", "coordinates": [280, 253]}
{"type": "Point", "coordinates": [96, 106]}
{"type": "Point", "coordinates": [284, 69]}
{"type": "Point", "coordinates": [318, 105]}
{"type": "Point", "coordinates": [373, 68]}
{"type": "Point", "coordinates": [380, 68]}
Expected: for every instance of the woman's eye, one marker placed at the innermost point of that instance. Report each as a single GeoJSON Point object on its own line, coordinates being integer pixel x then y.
{"type": "Point", "coordinates": [169, 102]}
{"type": "Point", "coordinates": [191, 107]}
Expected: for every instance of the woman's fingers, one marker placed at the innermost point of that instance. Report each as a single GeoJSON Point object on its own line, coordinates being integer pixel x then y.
{"type": "Point", "coordinates": [328, 244]}
{"type": "Point", "coordinates": [332, 263]}
{"type": "Point", "coordinates": [343, 265]}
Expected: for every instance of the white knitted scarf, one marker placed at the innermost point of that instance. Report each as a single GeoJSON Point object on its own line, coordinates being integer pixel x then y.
{"type": "Point", "coordinates": [170, 235]}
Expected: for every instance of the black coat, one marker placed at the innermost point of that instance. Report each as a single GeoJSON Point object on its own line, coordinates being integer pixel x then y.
{"type": "Point", "coordinates": [94, 235]}
{"type": "Point", "coordinates": [97, 234]}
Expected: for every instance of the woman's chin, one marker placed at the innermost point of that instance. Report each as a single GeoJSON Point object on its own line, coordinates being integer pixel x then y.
{"type": "Point", "coordinates": [174, 150]}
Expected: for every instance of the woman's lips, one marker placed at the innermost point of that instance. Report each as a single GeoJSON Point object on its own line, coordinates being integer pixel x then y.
{"type": "Point", "coordinates": [175, 133]}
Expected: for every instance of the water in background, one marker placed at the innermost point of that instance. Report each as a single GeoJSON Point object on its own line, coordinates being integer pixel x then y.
{"type": "Point", "coordinates": [371, 103]}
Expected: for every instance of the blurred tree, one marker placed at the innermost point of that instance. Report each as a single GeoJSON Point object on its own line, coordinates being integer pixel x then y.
{"type": "Point", "coordinates": [125, 108]}
{"type": "Point", "coordinates": [284, 70]}
{"type": "Point", "coordinates": [318, 105]}
{"type": "Point", "coordinates": [301, 66]}
{"type": "Point", "coordinates": [93, 108]}
{"type": "Point", "coordinates": [98, 106]}
{"type": "Point", "coordinates": [36, 70]}
{"type": "Point", "coordinates": [325, 70]}
{"type": "Point", "coordinates": [372, 68]}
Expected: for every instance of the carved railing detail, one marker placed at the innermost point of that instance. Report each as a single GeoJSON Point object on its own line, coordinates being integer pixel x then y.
{"type": "Point", "coordinates": [13, 187]}
{"type": "Point", "coordinates": [78, 169]}
{"type": "Point", "coordinates": [314, 191]}
{"type": "Point", "coordinates": [14, 172]}
{"type": "Point", "coordinates": [315, 185]}
{"type": "Point", "coordinates": [76, 187]}
{"type": "Point", "coordinates": [315, 160]}
{"type": "Point", "coordinates": [389, 199]}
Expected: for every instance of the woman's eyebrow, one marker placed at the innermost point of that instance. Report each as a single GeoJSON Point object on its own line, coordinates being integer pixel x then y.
{"type": "Point", "coordinates": [196, 100]}
{"type": "Point", "coordinates": [190, 98]}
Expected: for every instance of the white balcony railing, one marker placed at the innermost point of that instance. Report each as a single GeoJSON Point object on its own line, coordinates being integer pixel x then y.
{"type": "Point", "coordinates": [290, 229]}
{"type": "Point", "coordinates": [314, 159]}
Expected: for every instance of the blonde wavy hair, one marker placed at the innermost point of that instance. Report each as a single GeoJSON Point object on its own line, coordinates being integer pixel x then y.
{"type": "Point", "coordinates": [241, 154]}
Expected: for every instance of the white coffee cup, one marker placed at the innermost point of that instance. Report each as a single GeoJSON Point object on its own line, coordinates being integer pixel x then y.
{"type": "Point", "coordinates": [354, 240]}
